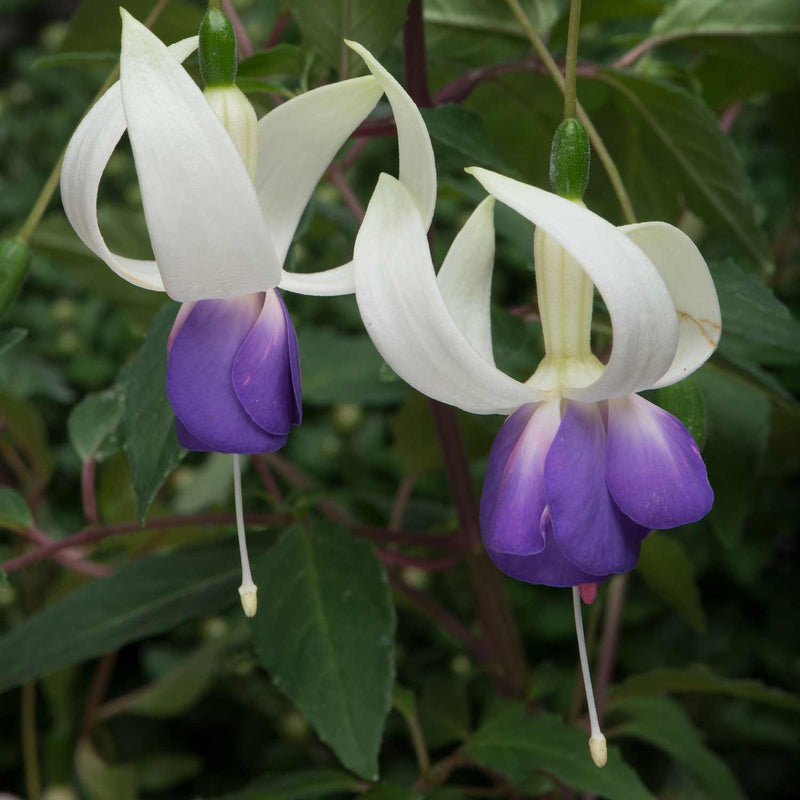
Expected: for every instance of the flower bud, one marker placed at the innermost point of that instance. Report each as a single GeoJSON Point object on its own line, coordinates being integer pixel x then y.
{"type": "Point", "coordinates": [570, 155]}
{"type": "Point", "coordinates": [239, 118]}
{"type": "Point", "coordinates": [217, 48]}
{"type": "Point", "coordinates": [15, 258]}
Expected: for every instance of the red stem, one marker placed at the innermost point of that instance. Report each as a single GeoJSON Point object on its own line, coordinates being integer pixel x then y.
{"type": "Point", "coordinates": [242, 39]}
{"type": "Point", "coordinates": [415, 61]}
{"type": "Point", "coordinates": [71, 561]}
{"type": "Point", "coordinates": [88, 495]}
{"type": "Point", "coordinates": [277, 29]}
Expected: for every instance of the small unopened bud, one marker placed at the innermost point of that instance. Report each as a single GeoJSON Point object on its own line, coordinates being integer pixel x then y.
{"type": "Point", "coordinates": [570, 155]}
{"type": "Point", "coordinates": [249, 598]}
{"type": "Point", "coordinates": [15, 258]}
{"type": "Point", "coordinates": [598, 749]}
{"type": "Point", "coordinates": [217, 47]}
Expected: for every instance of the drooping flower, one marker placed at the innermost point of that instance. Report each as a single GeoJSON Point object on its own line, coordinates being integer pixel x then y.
{"type": "Point", "coordinates": [222, 195]}
{"type": "Point", "coordinates": [584, 468]}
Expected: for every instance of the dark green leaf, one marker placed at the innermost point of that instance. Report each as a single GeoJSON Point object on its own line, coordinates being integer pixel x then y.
{"type": "Point", "coordinates": [325, 631]}
{"type": "Point", "coordinates": [666, 567]}
{"type": "Point", "coordinates": [738, 427]}
{"type": "Point", "coordinates": [103, 781]}
{"type": "Point", "coordinates": [756, 326]}
{"type": "Point", "coordinates": [389, 791]}
{"type": "Point", "coordinates": [278, 60]}
{"type": "Point", "coordinates": [693, 147]}
{"type": "Point", "coordinates": [14, 511]}
{"type": "Point", "coordinates": [156, 773]}
{"type": "Point", "coordinates": [414, 437]}
{"type": "Point", "coordinates": [699, 678]}
{"type": "Point", "coordinates": [142, 598]}
{"type": "Point", "coordinates": [683, 400]}
{"type": "Point", "coordinates": [25, 428]}
{"type": "Point", "coordinates": [343, 368]}
{"type": "Point", "coordinates": [92, 58]}
{"type": "Point", "coordinates": [15, 258]}
{"type": "Point", "coordinates": [738, 18]}
{"type": "Point", "coordinates": [662, 722]}
{"type": "Point", "coordinates": [464, 131]}
{"type": "Point", "coordinates": [518, 746]}
{"type": "Point", "coordinates": [93, 420]}
{"type": "Point", "coordinates": [306, 785]}
{"type": "Point", "coordinates": [96, 25]}
{"type": "Point", "coordinates": [326, 23]}
{"type": "Point", "coordinates": [150, 441]}
{"type": "Point", "coordinates": [10, 338]}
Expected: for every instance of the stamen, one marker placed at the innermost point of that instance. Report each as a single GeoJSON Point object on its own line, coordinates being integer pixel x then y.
{"type": "Point", "coordinates": [597, 742]}
{"type": "Point", "coordinates": [248, 590]}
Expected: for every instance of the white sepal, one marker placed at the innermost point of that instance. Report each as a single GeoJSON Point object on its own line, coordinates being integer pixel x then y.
{"type": "Point", "coordinates": [296, 143]}
{"type": "Point", "coordinates": [465, 278]}
{"type": "Point", "coordinates": [85, 160]}
{"type": "Point", "coordinates": [643, 318]}
{"type": "Point", "coordinates": [201, 208]}
{"type": "Point", "coordinates": [686, 274]}
{"type": "Point", "coordinates": [406, 316]}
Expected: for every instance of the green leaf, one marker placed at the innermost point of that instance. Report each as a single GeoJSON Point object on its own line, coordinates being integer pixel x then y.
{"type": "Point", "coordinates": [738, 416]}
{"type": "Point", "coordinates": [325, 631]}
{"type": "Point", "coordinates": [15, 258]}
{"type": "Point", "coordinates": [343, 368]}
{"type": "Point", "coordinates": [389, 791]}
{"type": "Point", "coordinates": [464, 131]}
{"type": "Point", "coordinates": [150, 440]}
{"type": "Point", "coordinates": [693, 148]}
{"type": "Point", "coordinates": [25, 428]}
{"type": "Point", "coordinates": [143, 598]}
{"type": "Point", "coordinates": [729, 18]}
{"type": "Point", "coordinates": [325, 23]}
{"type": "Point", "coordinates": [278, 60]}
{"type": "Point", "coordinates": [666, 567]}
{"type": "Point", "coordinates": [414, 437]}
{"type": "Point", "coordinates": [102, 781]}
{"type": "Point", "coordinates": [162, 771]}
{"type": "Point", "coordinates": [756, 326]}
{"type": "Point", "coordinates": [14, 512]}
{"type": "Point", "coordinates": [491, 16]}
{"type": "Point", "coordinates": [683, 400]}
{"type": "Point", "coordinates": [96, 25]}
{"type": "Point", "coordinates": [10, 338]}
{"type": "Point", "coordinates": [106, 58]}
{"type": "Point", "coordinates": [518, 745]}
{"type": "Point", "coordinates": [306, 785]}
{"type": "Point", "coordinates": [661, 722]}
{"type": "Point", "coordinates": [93, 420]}
{"type": "Point", "coordinates": [700, 679]}
{"type": "Point", "coordinates": [174, 692]}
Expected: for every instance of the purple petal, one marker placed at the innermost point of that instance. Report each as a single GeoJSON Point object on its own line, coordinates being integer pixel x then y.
{"type": "Point", "coordinates": [266, 371]}
{"type": "Point", "coordinates": [199, 383]}
{"type": "Point", "coordinates": [654, 470]}
{"type": "Point", "coordinates": [180, 318]}
{"type": "Point", "coordinates": [189, 442]}
{"type": "Point", "coordinates": [513, 496]}
{"type": "Point", "coordinates": [590, 530]}
{"type": "Point", "coordinates": [548, 568]}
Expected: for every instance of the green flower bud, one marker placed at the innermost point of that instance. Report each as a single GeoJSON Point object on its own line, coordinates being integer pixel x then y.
{"type": "Point", "coordinates": [569, 160]}
{"type": "Point", "coordinates": [217, 48]}
{"type": "Point", "coordinates": [15, 258]}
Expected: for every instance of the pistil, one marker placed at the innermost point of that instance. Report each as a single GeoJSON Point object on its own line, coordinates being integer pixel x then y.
{"type": "Point", "coordinates": [248, 591]}
{"type": "Point", "coordinates": [597, 742]}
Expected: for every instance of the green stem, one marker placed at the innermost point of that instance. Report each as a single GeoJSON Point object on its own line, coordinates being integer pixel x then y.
{"type": "Point", "coordinates": [48, 190]}
{"type": "Point", "coordinates": [30, 750]}
{"type": "Point", "coordinates": [570, 93]}
{"type": "Point", "coordinates": [597, 142]}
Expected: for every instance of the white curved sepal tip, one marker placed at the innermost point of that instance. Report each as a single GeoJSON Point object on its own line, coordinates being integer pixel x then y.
{"type": "Point", "coordinates": [249, 598]}
{"type": "Point", "coordinates": [598, 749]}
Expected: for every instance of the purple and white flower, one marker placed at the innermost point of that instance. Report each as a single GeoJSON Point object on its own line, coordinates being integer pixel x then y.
{"type": "Point", "coordinates": [223, 194]}
{"type": "Point", "coordinates": [584, 468]}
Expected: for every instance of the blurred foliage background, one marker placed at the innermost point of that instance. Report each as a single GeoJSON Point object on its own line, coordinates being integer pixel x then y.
{"type": "Point", "coordinates": [150, 683]}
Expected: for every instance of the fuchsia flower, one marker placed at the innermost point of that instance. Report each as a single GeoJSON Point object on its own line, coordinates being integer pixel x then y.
{"type": "Point", "coordinates": [584, 468]}
{"type": "Point", "coordinates": [222, 195]}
